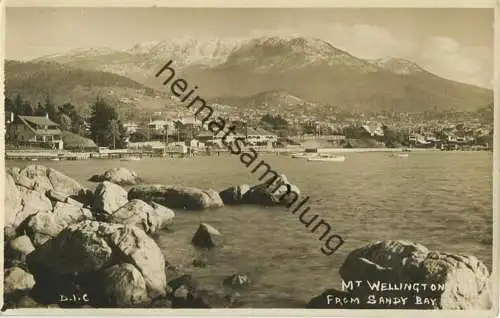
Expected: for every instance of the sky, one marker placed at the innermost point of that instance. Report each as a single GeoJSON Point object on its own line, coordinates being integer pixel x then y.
{"type": "Point", "coordinates": [452, 43]}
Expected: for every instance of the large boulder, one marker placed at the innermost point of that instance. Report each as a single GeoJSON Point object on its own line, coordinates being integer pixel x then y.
{"type": "Point", "coordinates": [17, 279]}
{"type": "Point", "coordinates": [163, 216]}
{"type": "Point", "coordinates": [465, 279]}
{"type": "Point", "coordinates": [395, 269]}
{"type": "Point", "coordinates": [14, 172]}
{"type": "Point", "coordinates": [123, 285]}
{"type": "Point", "coordinates": [207, 237]}
{"type": "Point", "coordinates": [82, 251]}
{"type": "Point", "coordinates": [109, 197]}
{"type": "Point", "coordinates": [42, 226]}
{"type": "Point", "coordinates": [276, 192]}
{"type": "Point", "coordinates": [66, 213]}
{"type": "Point", "coordinates": [384, 260]}
{"type": "Point", "coordinates": [12, 199]}
{"type": "Point", "coordinates": [234, 195]}
{"type": "Point", "coordinates": [40, 178]}
{"type": "Point", "coordinates": [121, 176]}
{"type": "Point", "coordinates": [19, 248]}
{"type": "Point", "coordinates": [144, 253]}
{"type": "Point", "coordinates": [78, 249]}
{"type": "Point", "coordinates": [32, 202]}
{"type": "Point", "coordinates": [177, 197]}
{"type": "Point", "coordinates": [137, 212]}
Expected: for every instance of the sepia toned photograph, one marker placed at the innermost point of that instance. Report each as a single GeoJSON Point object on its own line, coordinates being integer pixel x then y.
{"type": "Point", "coordinates": [312, 158]}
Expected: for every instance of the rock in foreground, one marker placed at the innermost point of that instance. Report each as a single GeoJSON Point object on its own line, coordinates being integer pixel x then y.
{"type": "Point", "coordinates": [137, 212]}
{"type": "Point", "coordinates": [79, 255]}
{"type": "Point", "coordinates": [397, 269]}
{"type": "Point", "coordinates": [234, 195]}
{"type": "Point", "coordinates": [109, 197]}
{"type": "Point", "coordinates": [207, 237]}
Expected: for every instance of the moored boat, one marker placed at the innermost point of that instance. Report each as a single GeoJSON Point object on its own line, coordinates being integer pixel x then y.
{"type": "Point", "coordinates": [327, 158]}
{"type": "Point", "coordinates": [130, 159]}
{"type": "Point", "coordinates": [302, 155]}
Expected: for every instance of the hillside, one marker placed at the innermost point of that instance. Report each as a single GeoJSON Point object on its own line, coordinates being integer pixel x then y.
{"type": "Point", "coordinates": [310, 68]}
{"type": "Point", "coordinates": [35, 80]}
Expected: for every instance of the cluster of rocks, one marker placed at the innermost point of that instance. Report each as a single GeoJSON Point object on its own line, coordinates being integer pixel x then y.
{"type": "Point", "coordinates": [464, 280]}
{"type": "Point", "coordinates": [68, 246]}
{"type": "Point", "coordinates": [276, 192]}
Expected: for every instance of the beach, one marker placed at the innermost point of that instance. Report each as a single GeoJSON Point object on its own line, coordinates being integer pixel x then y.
{"type": "Point", "coordinates": [442, 200]}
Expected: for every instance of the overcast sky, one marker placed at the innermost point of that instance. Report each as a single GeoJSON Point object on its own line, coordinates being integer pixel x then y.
{"type": "Point", "coordinates": [453, 43]}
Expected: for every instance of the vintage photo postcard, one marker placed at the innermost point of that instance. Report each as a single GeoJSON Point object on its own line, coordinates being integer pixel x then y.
{"type": "Point", "coordinates": [332, 159]}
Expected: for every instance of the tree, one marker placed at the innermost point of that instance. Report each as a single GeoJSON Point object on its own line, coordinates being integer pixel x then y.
{"type": "Point", "coordinates": [50, 108]}
{"type": "Point", "coordinates": [18, 104]}
{"type": "Point", "coordinates": [102, 130]}
{"type": "Point", "coordinates": [78, 126]}
{"type": "Point", "coordinates": [274, 122]}
{"type": "Point", "coordinates": [40, 110]}
{"type": "Point", "coordinates": [26, 109]}
{"type": "Point", "coordinates": [68, 109]}
{"type": "Point", "coordinates": [9, 105]}
{"type": "Point", "coordinates": [64, 122]}
{"type": "Point", "coordinates": [114, 131]}
{"type": "Point", "coordinates": [138, 136]}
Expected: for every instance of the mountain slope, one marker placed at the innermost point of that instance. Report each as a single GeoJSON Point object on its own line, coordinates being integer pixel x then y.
{"type": "Point", "coordinates": [35, 80]}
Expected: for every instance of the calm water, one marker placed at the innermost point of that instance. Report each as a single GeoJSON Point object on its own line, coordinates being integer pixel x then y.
{"type": "Point", "coordinates": [442, 200]}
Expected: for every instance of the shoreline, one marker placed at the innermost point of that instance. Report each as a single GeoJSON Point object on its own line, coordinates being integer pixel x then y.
{"type": "Point", "coordinates": [29, 154]}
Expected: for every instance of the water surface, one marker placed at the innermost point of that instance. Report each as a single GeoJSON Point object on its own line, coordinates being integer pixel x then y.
{"type": "Point", "coordinates": [442, 200]}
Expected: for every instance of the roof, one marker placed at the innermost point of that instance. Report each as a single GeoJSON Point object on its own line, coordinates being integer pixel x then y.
{"type": "Point", "coordinates": [39, 120]}
{"type": "Point", "coordinates": [48, 132]}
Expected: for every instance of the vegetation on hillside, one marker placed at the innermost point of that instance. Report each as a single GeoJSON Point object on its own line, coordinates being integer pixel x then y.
{"type": "Point", "coordinates": [103, 126]}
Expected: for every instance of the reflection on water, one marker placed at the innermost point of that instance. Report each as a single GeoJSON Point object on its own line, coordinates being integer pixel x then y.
{"type": "Point", "coordinates": [441, 200]}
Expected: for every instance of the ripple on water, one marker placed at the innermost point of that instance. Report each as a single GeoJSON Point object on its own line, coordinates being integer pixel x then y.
{"type": "Point", "coordinates": [439, 199]}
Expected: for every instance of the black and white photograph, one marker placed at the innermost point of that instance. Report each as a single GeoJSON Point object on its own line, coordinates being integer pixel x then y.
{"type": "Point", "coordinates": [248, 158]}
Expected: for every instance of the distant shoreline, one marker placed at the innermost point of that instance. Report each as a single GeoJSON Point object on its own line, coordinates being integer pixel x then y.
{"type": "Point", "coordinates": [27, 154]}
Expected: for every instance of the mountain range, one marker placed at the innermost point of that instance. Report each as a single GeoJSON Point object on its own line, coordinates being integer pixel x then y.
{"type": "Point", "coordinates": [239, 71]}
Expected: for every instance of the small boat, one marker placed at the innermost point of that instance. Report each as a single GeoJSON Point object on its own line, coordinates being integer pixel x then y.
{"type": "Point", "coordinates": [34, 159]}
{"type": "Point", "coordinates": [329, 158]}
{"type": "Point", "coordinates": [55, 159]}
{"type": "Point", "coordinates": [400, 155]}
{"type": "Point", "coordinates": [130, 159]}
{"type": "Point", "coordinates": [302, 155]}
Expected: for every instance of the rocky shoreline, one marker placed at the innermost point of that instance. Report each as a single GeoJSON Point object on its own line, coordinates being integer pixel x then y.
{"type": "Point", "coordinates": [67, 246]}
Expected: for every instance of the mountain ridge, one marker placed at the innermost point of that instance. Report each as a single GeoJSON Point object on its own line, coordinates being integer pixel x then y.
{"type": "Point", "coordinates": [307, 67]}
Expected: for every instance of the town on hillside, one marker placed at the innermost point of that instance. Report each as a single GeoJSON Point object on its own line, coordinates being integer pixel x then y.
{"type": "Point", "coordinates": [58, 129]}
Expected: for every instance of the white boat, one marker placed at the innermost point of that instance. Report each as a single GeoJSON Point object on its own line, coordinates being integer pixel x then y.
{"type": "Point", "coordinates": [302, 155]}
{"type": "Point", "coordinates": [130, 159]}
{"type": "Point", "coordinates": [55, 159]}
{"type": "Point", "coordinates": [401, 155]}
{"type": "Point", "coordinates": [328, 158]}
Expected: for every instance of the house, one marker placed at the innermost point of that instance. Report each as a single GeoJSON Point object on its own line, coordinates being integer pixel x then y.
{"type": "Point", "coordinates": [37, 131]}
{"type": "Point", "coordinates": [257, 136]}
{"type": "Point", "coordinates": [131, 127]}
{"type": "Point", "coordinates": [374, 129]}
{"type": "Point", "coordinates": [189, 122]}
{"type": "Point", "coordinates": [161, 125]}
